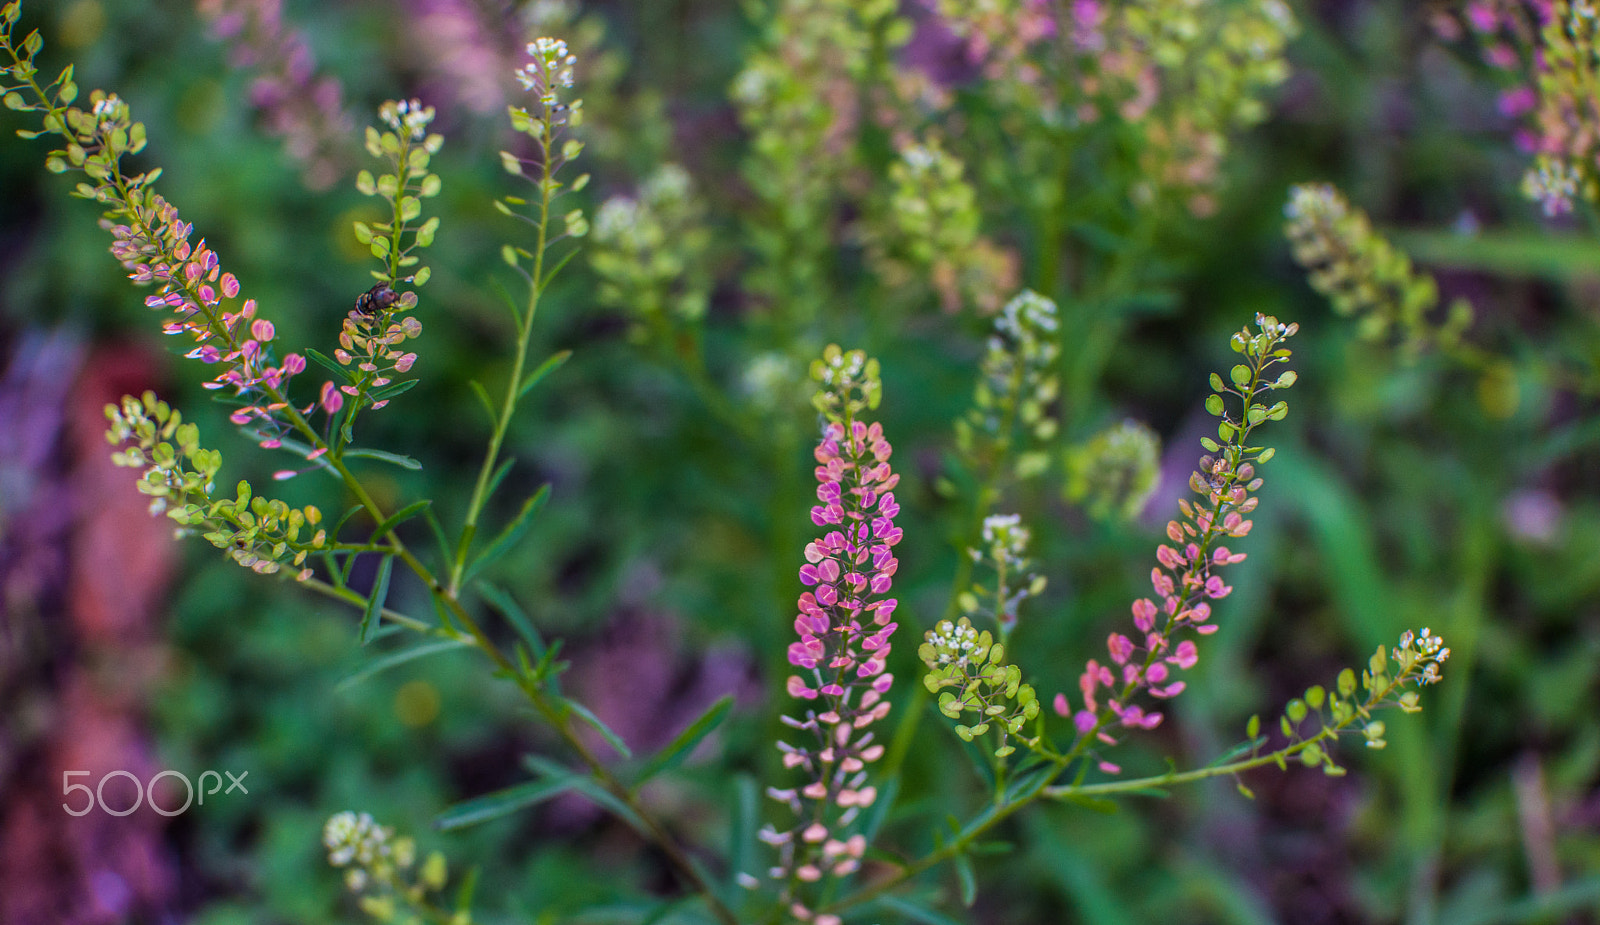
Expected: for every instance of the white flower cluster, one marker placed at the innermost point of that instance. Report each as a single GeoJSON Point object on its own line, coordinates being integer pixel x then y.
{"type": "Point", "coordinates": [551, 67]}
{"type": "Point", "coordinates": [368, 849]}
{"type": "Point", "coordinates": [845, 369]}
{"type": "Point", "coordinates": [1006, 536]}
{"type": "Point", "coordinates": [1027, 314]}
{"type": "Point", "coordinates": [953, 642]}
{"type": "Point", "coordinates": [407, 117]}
{"type": "Point", "coordinates": [1429, 649]}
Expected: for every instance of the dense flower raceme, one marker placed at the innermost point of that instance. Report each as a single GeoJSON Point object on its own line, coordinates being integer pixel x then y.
{"type": "Point", "coordinates": [1558, 42]}
{"type": "Point", "coordinates": [1011, 417]}
{"type": "Point", "coordinates": [152, 242]}
{"type": "Point", "coordinates": [154, 246]}
{"type": "Point", "coordinates": [1186, 580]}
{"type": "Point", "coordinates": [844, 623]}
{"type": "Point", "coordinates": [373, 337]}
{"type": "Point", "coordinates": [261, 534]}
{"type": "Point", "coordinates": [1362, 274]}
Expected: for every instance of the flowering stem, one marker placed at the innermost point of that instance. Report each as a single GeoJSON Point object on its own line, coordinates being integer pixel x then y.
{"type": "Point", "coordinates": [559, 719]}
{"type": "Point", "coordinates": [508, 406]}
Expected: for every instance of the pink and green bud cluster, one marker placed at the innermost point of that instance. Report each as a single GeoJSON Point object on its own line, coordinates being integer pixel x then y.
{"type": "Point", "coordinates": [151, 240]}
{"type": "Point", "coordinates": [261, 534]}
{"type": "Point", "coordinates": [153, 244]}
{"type": "Point", "coordinates": [1364, 275]}
{"type": "Point", "coordinates": [373, 336]}
{"type": "Point", "coordinates": [1549, 53]}
{"type": "Point", "coordinates": [1186, 579]}
{"type": "Point", "coordinates": [844, 624]}
{"type": "Point", "coordinates": [297, 102]}
{"type": "Point", "coordinates": [1011, 406]}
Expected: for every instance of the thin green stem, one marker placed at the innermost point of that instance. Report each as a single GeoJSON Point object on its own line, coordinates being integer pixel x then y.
{"type": "Point", "coordinates": [508, 406]}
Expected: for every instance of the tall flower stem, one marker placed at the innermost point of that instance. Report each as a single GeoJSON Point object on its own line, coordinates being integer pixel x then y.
{"type": "Point", "coordinates": [127, 197]}
{"type": "Point", "coordinates": [508, 405]}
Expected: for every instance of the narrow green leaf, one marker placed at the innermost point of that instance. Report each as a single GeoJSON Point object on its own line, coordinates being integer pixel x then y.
{"type": "Point", "coordinates": [404, 462]}
{"type": "Point", "coordinates": [550, 276]}
{"type": "Point", "coordinates": [685, 741]}
{"type": "Point", "coordinates": [585, 714]}
{"type": "Point", "coordinates": [399, 517]}
{"type": "Point", "coordinates": [743, 819]}
{"type": "Point", "coordinates": [398, 658]}
{"type": "Point", "coordinates": [513, 531]}
{"type": "Point", "coordinates": [1238, 751]}
{"type": "Point", "coordinates": [483, 396]}
{"type": "Point", "coordinates": [380, 592]}
{"type": "Point", "coordinates": [438, 533]}
{"type": "Point", "coordinates": [469, 885]}
{"type": "Point", "coordinates": [515, 615]}
{"type": "Point", "coordinates": [586, 786]}
{"type": "Point", "coordinates": [334, 572]}
{"type": "Point", "coordinates": [914, 911]}
{"type": "Point", "coordinates": [390, 391]}
{"type": "Point", "coordinates": [969, 881]}
{"type": "Point", "coordinates": [493, 485]}
{"type": "Point", "coordinates": [335, 368]}
{"type": "Point", "coordinates": [501, 803]}
{"type": "Point", "coordinates": [546, 368]}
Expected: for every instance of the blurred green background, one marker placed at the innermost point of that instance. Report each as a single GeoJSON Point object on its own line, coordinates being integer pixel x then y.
{"type": "Point", "coordinates": [1403, 495]}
